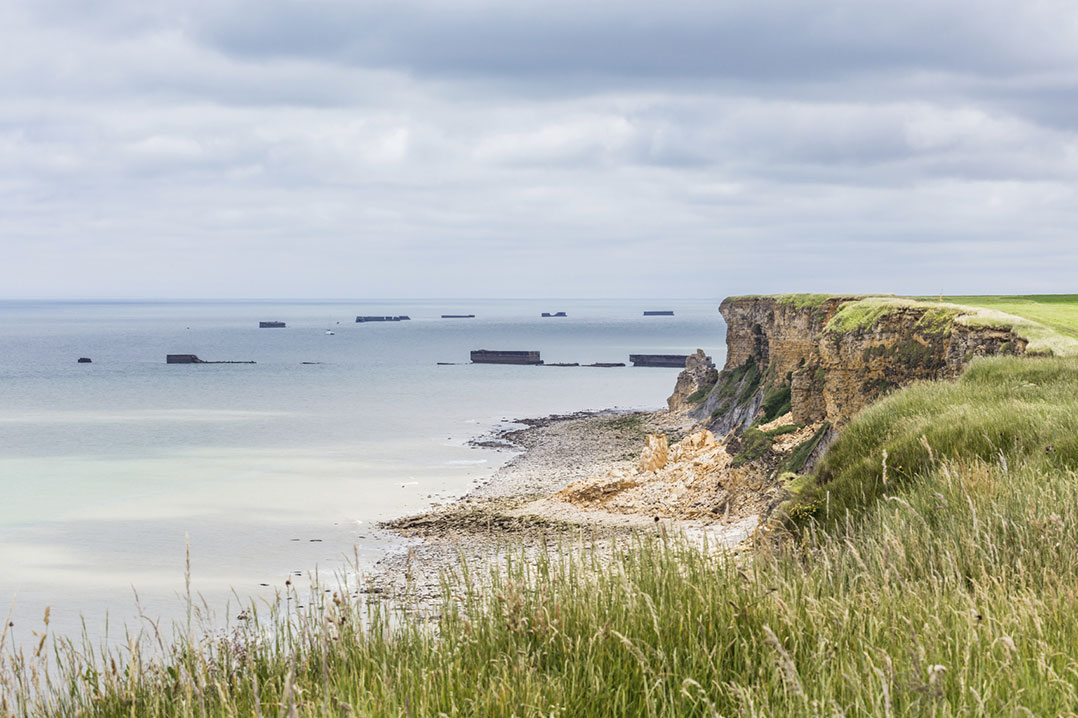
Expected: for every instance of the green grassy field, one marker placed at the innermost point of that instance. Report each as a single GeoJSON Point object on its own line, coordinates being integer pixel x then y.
{"type": "Point", "coordinates": [1057, 311]}
{"type": "Point", "coordinates": [938, 579]}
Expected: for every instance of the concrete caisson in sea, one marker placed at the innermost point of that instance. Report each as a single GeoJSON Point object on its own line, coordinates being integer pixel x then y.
{"type": "Point", "coordinates": [183, 359]}
{"type": "Point", "coordinates": [271, 325]}
{"type": "Point", "coordinates": [484, 356]}
{"type": "Point", "coordinates": [193, 359]}
{"type": "Point", "coordinates": [659, 313]}
{"type": "Point", "coordinates": [671, 360]}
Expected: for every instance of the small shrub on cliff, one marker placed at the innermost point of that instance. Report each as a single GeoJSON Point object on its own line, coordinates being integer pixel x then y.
{"type": "Point", "coordinates": [782, 430]}
{"type": "Point", "coordinates": [776, 403]}
{"type": "Point", "coordinates": [911, 353]}
{"type": "Point", "coordinates": [730, 381]}
{"type": "Point", "coordinates": [754, 445]}
{"type": "Point", "coordinates": [800, 454]}
{"type": "Point", "coordinates": [751, 383]}
{"type": "Point", "coordinates": [700, 394]}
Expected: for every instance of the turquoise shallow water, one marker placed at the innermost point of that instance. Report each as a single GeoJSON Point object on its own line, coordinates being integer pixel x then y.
{"type": "Point", "coordinates": [279, 466]}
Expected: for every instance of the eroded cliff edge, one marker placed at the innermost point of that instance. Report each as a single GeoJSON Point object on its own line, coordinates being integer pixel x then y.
{"type": "Point", "coordinates": [798, 367]}
{"type": "Point", "coordinates": [824, 357]}
{"type": "Point", "coordinates": [739, 442]}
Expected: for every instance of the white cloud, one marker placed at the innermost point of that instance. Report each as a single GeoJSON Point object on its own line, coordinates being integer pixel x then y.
{"type": "Point", "coordinates": [562, 141]}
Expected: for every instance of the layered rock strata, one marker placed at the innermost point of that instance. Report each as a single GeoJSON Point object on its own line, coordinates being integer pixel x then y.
{"type": "Point", "coordinates": [850, 369]}
{"type": "Point", "coordinates": [834, 355]}
{"type": "Point", "coordinates": [798, 367]}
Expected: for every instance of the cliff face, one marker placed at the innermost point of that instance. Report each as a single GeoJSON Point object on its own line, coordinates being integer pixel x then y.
{"type": "Point", "coordinates": [825, 357]}
{"type": "Point", "coordinates": [850, 369]}
{"type": "Point", "coordinates": [772, 332]}
{"type": "Point", "coordinates": [798, 367]}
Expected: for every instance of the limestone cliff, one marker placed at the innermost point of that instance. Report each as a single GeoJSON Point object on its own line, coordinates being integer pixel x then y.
{"type": "Point", "coordinates": [798, 367]}
{"type": "Point", "coordinates": [852, 366]}
{"type": "Point", "coordinates": [824, 357]}
{"type": "Point", "coordinates": [777, 332]}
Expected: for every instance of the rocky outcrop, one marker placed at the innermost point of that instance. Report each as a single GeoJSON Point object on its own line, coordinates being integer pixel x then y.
{"type": "Point", "coordinates": [798, 367]}
{"type": "Point", "coordinates": [655, 454]}
{"type": "Point", "coordinates": [699, 376]}
{"type": "Point", "coordinates": [824, 357]}
{"type": "Point", "coordinates": [767, 339]}
{"type": "Point", "coordinates": [852, 367]}
{"type": "Point", "coordinates": [776, 332]}
{"type": "Point", "coordinates": [697, 478]}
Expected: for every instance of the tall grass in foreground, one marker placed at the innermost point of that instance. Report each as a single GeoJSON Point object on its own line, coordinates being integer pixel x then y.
{"type": "Point", "coordinates": [951, 592]}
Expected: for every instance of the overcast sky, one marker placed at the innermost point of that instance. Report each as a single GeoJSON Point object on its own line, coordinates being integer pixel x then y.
{"type": "Point", "coordinates": [485, 148]}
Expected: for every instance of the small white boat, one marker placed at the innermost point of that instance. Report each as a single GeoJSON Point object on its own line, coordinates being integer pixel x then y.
{"type": "Point", "coordinates": [330, 332]}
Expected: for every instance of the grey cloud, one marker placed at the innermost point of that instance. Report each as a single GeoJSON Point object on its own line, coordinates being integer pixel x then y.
{"type": "Point", "coordinates": [633, 38]}
{"type": "Point", "coordinates": [318, 148]}
{"type": "Point", "coordinates": [639, 39]}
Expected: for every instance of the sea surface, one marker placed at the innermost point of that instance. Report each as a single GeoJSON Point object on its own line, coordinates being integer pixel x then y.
{"type": "Point", "coordinates": [277, 469]}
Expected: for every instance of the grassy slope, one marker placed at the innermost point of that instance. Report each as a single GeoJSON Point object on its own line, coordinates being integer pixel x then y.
{"type": "Point", "coordinates": [862, 314]}
{"type": "Point", "coordinates": [1058, 311]}
{"type": "Point", "coordinates": [1020, 412]}
{"type": "Point", "coordinates": [949, 589]}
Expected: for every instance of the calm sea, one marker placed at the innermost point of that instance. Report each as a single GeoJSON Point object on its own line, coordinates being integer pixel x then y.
{"type": "Point", "coordinates": [277, 467]}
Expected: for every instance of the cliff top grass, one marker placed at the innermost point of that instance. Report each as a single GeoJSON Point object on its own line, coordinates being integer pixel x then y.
{"type": "Point", "coordinates": [1056, 311]}
{"type": "Point", "coordinates": [799, 300]}
{"type": "Point", "coordinates": [803, 301]}
{"type": "Point", "coordinates": [939, 316]}
{"type": "Point", "coordinates": [865, 313]}
{"type": "Point", "coordinates": [1042, 339]}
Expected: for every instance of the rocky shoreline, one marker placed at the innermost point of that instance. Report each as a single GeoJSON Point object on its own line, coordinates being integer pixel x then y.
{"type": "Point", "coordinates": [517, 510]}
{"type": "Point", "coordinates": [726, 452]}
